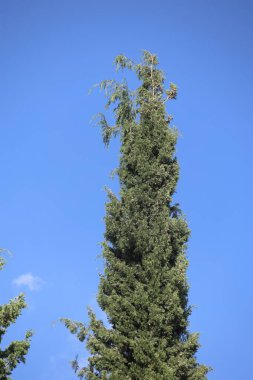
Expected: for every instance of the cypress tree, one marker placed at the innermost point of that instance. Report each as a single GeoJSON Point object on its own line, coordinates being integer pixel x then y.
{"type": "Point", "coordinates": [144, 289]}
{"type": "Point", "coordinates": [17, 350]}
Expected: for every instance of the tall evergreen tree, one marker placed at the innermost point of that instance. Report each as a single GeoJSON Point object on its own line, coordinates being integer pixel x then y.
{"type": "Point", "coordinates": [144, 289]}
{"type": "Point", "coordinates": [16, 352]}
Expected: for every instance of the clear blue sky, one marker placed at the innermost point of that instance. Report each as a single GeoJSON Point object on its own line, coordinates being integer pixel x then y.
{"type": "Point", "coordinates": [54, 166]}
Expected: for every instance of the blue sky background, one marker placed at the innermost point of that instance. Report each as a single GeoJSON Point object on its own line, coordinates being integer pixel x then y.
{"type": "Point", "coordinates": [54, 166]}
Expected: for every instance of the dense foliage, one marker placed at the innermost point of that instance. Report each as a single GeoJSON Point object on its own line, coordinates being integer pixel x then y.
{"type": "Point", "coordinates": [16, 352]}
{"type": "Point", "coordinates": [144, 290]}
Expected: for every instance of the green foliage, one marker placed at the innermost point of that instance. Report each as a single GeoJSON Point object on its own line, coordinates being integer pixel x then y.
{"type": "Point", "coordinates": [144, 289]}
{"type": "Point", "coordinates": [15, 353]}
{"type": "Point", "coordinates": [76, 328]}
{"type": "Point", "coordinates": [107, 131]}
